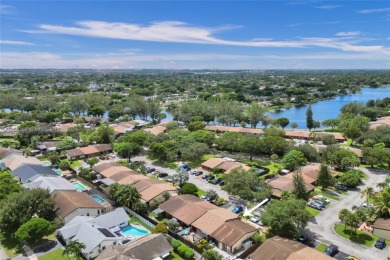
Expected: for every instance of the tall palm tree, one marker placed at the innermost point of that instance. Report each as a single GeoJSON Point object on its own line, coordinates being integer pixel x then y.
{"type": "Point", "coordinates": [382, 202]}
{"type": "Point", "coordinates": [75, 248]}
{"type": "Point", "coordinates": [128, 196]}
{"type": "Point", "coordinates": [343, 216]}
{"type": "Point", "coordinates": [368, 193]}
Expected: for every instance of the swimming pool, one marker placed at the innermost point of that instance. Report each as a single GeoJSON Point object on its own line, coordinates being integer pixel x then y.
{"type": "Point", "coordinates": [58, 171]}
{"type": "Point", "coordinates": [98, 199]}
{"type": "Point", "coordinates": [46, 164]}
{"type": "Point", "coordinates": [79, 186]}
{"type": "Point", "coordinates": [131, 230]}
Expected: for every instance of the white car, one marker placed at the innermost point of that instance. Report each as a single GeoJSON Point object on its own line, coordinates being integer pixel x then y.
{"type": "Point", "coordinates": [255, 219]}
{"type": "Point", "coordinates": [320, 197]}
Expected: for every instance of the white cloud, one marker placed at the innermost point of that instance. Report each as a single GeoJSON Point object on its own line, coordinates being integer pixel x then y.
{"type": "Point", "coordinates": [180, 32]}
{"type": "Point", "coordinates": [355, 33]}
{"type": "Point", "coordinates": [7, 9]}
{"type": "Point", "coordinates": [294, 24]}
{"type": "Point", "coordinates": [328, 7]}
{"type": "Point", "coordinates": [370, 11]}
{"type": "Point", "coordinates": [15, 42]}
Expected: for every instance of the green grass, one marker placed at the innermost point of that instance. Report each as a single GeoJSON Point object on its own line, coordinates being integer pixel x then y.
{"type": "Point", "coordinates": [174, 256]}
{"type": "Point", "coordinates": [274, 167]}
{"type": "Point", "coordinates": [75, 163]}
{"type": "Point", "coordinates": [321, 247]}
{"type": "Point", "coordinates": [44, 159]}
{"type": "Point", "coordinates": [134, 219]}
{"type": "Point", "coordinates": [360, 237]}
{"type": "Point", "coordinates": [348, 143]}
{"type": "Point", "coordinates": [56, 255]}
{"type": "Point", "coordinates": [326, 194]}
{"type": "Point", "coordinates": [208, 156]}
{"type": "Point", "coordinates": [200, 192]}
{"type": "Point", "coordinates": [312, 211]}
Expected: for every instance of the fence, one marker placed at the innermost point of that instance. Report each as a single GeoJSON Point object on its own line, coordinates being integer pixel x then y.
{"type": "Point", "coordinates": [249, 251]}
{"type": "Point", "coordinates": [149, 222]}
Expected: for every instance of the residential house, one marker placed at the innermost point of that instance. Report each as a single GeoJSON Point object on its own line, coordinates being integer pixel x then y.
{"type": "Point", "coordinates": [17, 160]}
{"type": "Point", "coordinates": [285, 182]}
{"type": "Point", "coordinates": [153, 246]}
{"type": "Point", "coordinates": [278, 248]}
{"type": "Point", "coordinates": [242, 130]}
{"type": "Point", "coordinates": [383, 121]}
{"type": "Point", "coordinates": [69, 204]}
{"type": "Point", "coordinates": [122, 128]}
{"type": "Point", "coordinates": [30, 172]}
{"type": "Point", "coordinates": [154, 190]}
{"type": "Point", "coordinates": [52, 184]}
{"type": "Point", "coordinates": [209, 221]}
{"type": "Point", "coordinates": [381, 228]}
{"type": "Point", "coordinates": [9, 152]}
{"type": "Point", "coordinates": [156, 130]}
{"type": "Point", "coordinates": [88, 151]}
{"type": "Point", "coordinates": [224, 165]}
{"type": "Point", "coordinates": [46, 147]}
{"type": "Point", "coordinates": [96, 233]}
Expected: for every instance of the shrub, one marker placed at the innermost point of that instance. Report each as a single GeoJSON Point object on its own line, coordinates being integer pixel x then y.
{"type": "Point", "coordinates": [189, 188]}
{"type": "Point", "coordinates": [189, 254]}
{"type": "Point", "coordinates": [182, 250]}
{"type": "Point", "coordinates": [175, 244]}
{"type": "Point", "coordinates": [160, 228]}
{"type": "Point", "coordinates": [257, 238]}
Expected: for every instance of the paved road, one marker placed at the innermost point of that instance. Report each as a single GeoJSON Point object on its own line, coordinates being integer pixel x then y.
{"type": "Point", "coordinates": [321, 227]}
{"type": "Point", "coordinates": [197, 180]}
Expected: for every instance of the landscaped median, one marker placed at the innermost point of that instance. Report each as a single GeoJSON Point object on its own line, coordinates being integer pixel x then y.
{"type": "Point", "coordinates": [359, 237]}
{"type": "Point", "coordinates": [321, 247]}
{"type": "Point", "coordinates": [313, 212]}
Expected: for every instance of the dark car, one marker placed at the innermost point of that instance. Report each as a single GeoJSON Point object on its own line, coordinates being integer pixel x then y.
{"type": "Point", "coordinates": [237, 209]}
{"type": "Point", "coordinates": [302, 238]}
{"type": "Point", "coordinates": [198, 173]}
{"type": "Point", "coordinates": [162, 175]}
{"type": "Point", "coordinates": [221, 183]}
{"type": "Point", "coordinates": [216, 181]}
{"type": "Point", "coordinates": [314, 205]}
{"type": "Point", "coordinates": [211, 177]}
{"type": "Point", "coordinates": [331, 250]}
{"type": "Point", "coordinates": [380, 243]}
{"type": "Point", "coordinates": [205, 176]}
{"type": "Point", "coordinates": [341, 187]}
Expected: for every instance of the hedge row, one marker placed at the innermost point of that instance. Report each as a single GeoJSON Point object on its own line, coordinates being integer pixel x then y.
{"type": "Point", "coordinates": [183, 250]}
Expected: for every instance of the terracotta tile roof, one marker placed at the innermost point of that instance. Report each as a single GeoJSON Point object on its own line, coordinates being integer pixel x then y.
{"type": "Point", "coordinates": [213, 219]}
{"type": "Point", "coordinates": [243, 167]}
{"type": "Point", "coordinates": [133, 178]}
{"type": "Point", "coordinates": [381, 223]}
{"type": "Point", "coordinates": [89, 150]}
{"type": "Point", "coordinates": [338, 136]}
{"type": "Point", "coordinates": [277, 248]}
{"type": "Point", "coordinates": [155, 190]}
{"type": "Point", "coordinates": [68, 201]}
{"type": "Point", "coordinates": [380, 122]}
{"type": "Point", "coordinates": [186, 208]}
{"type": "Point", "coordinates": [156, 130]}
{"type": "Point", "coordinates": [227, 165]}
{"type": "Point", "coordinates": [297, 134]}
{"type": "Point", "coordinates": [213, 162]}
{"type": "Point", "coordinates": [285, 182]}
{"type": "Point", "coordinates": [17, 160]}
{"type": "Point", "coordinates": [219, 128]}
{"type": "Point", "coordinates": [232, 231]}
{"type": "Point", "coordinates": [104, 166]}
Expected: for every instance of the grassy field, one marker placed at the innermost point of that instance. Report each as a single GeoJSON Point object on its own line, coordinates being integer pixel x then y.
{"type": "Point", "coordinates": [312, 211]}
{"type": "Point", "coordinates": [200, 192]}
{"type": "Point", "coordinates": [360, 237]}
{"type": "Point", "coordinates": [321, 247]}
{"type": "Point", "coordinates": [56, 255]}
{"type": "Point", "coordinates": [274, 167]}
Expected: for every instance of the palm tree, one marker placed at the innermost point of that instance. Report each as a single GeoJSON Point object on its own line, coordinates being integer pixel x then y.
{"type": "Point", "coordinates": [343, 216]}
{"type": "Point", "coordinates": [382, 202]}
{"type": "Point", "coordinates": [128, 196]}
{"type": "Point", "coordinates": [368, 193]}
{"type": "Point", "coordinates": [75, 248]}
{"type": "Point", "coordinates": [382, 185]}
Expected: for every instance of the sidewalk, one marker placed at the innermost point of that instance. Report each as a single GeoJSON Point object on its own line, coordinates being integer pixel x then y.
{"type": "Point", "coordinates": [3, 254]}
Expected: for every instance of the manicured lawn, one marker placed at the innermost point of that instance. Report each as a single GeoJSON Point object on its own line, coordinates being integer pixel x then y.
{"type": "Point", "coordinates": [208, 156]}
{"type": "Point", "coordinates": [134, 219]}
{"type": "Point", "coordinates": [200, 192]}
{"type": "Point", "coordinates": [75, 163]}
{"type": "Point", "coordinates": [348, 143]}
{"type": "Point", "coordinates": [174, 256]}
{"type": "Point", "coordinates": [274, 167]}
{"type": "Point", "coordinates": [312, 211]}
{"type": "Point", "coordinates": [321, 247]}
{"type": "Point", "coordinates": [360, 237]}
{"type": "Point", "coordinates": [56, 254]}
{"type": "Point", "coordinates": [44, 159]}
{"type": "Point", "coordinates": [326, 194]}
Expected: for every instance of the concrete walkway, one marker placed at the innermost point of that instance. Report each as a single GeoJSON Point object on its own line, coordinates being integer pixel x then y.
{"type": "Point", "coordinates": [3, 254]}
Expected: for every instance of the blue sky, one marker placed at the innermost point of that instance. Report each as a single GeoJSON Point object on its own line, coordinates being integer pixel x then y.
{"type": "Point", "coordinates": [195, 34]}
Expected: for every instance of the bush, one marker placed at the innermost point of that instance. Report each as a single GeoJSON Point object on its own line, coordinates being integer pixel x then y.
{"type": "Point", "coordinates": [160, 228]}
{"type": "Point", "coordinates": [189, 254]}
{"type": "Point", "coordinates": [257, 238]}
{"type": "Point", "coordinates": [34, 229]}
{"type": "Point", "coordinates": [175, 244]}
{"type": "Point", "coordinates": [189, 188]}
{"type": "Point", "coordinates": [182, 250]}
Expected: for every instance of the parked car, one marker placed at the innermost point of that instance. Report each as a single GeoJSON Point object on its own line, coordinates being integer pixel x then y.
{"type": "Point", "coordinates": [331, 250]}
{"type": "Point", "coordinates": [380, 243]}
{"type": "Point", "coordinates": [216, 181]}
{"type": "Point", "coordinates": [314, 205]}
{"type": "Point", "coordinates": [341, 187]}
{"type": "Point", "coordinates": [211, 177]}
{"type": "Point", "coordinates": [322, 198]}
{"type": "Point", "coordinates": [206, 197]}
{"type": "Point", "coordinates": [238, 209]}
{"type": "Point", "coordinates": [321, 203]}
{"type": "Point", "coordinates": [365, 205]}
{"type": "Point", "coordinates": [198, 173]}
{"type": "Point", "coordinates": [255, 219]}
{"type": "Point", "coordinates": [221, 183]}
{"type": "Point", "coordinates": [194, 172]}
{"type": "Point", "coordinates": [302, 238]}
{"type": "Point", "coordinates": [163, 175]}
{"type": "Point", "coordinates": [101, 157]}
{"type": "Point", "coordinates": [205, 176]}
{"type": "Point", "coordinates": [185, 167]}
{"type": "Point", "coordinates": [150, 170]}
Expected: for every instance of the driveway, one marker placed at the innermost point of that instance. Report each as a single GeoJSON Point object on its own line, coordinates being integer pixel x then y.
{"type": "Point", "coordinates": [321, 227]}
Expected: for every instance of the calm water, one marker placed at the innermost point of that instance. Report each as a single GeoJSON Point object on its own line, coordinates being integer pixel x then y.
{"type": "Point", "coordinates": [326, 109]}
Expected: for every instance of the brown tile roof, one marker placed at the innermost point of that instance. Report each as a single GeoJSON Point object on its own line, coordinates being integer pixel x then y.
{"type": "Point", "coordinates": [186, 208]}
{"type": "Point", "coordinates": [213, 162]}
{"type": "Point", "coordinates": [65, 127]}
{"type": "Point", "coordinates": [232, 231]}
{"type": "Point", "coordinates": [381, 223]}
{"type": "Point", "coordinates": [285, 182]}
{"type": "Point", "coordinates": [156, 130]}
{"type": "Point", "coordinates": [133, 178]}
{"type": "Point", "coordinates": [113, 170]}
{"type": "Point", "coordinates": [297, 134]}
{"type": "Point", "coordinates": [213, 219]}
{"type": "Point", "coordinates": [7, 151]}
{"type": "Point", "coordinates": [277, 248]}
{"type": "Point", "coordinates": [356, 151]}
{"type": "Point", "coordinates": [219, 128]}
{"type": "Point", "coordinates": [380, 122]}
{"type": "Point", "coordinates": [227, 165]}
{"type": "Point", "coordinates": [88, 150]}
{"type": "Point", "coordinates": [68, 201]}
{"type": "Point", "coordinates": [155, 190]}
{"type": "Point", "coordinates": [338, 136]}
{"type": "Point", "coordinates": [104, 166]}
{"type": "Point", "coordinates": [243, 167]}
{"type": "Point", "coordinates": [17, 160]}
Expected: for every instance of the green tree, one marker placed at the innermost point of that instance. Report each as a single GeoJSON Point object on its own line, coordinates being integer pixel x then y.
{"type": "Point", "coordinates": [138, 137]}
{"type": "Point", "coordinates": [293, 159]}
{"type": "Point", "coordinates": [382, 202]}
{"type": "Point", "coordinates": [352, 132]}
{"type": "Point", "coordinates": [300, 190]}
{"type": "Point", "coordinates": [283, 122]}
{"type": "Point", "coordinates": [92, 161]}
{"type": "Point", "coordinates": [128, 150]}
{"type": "Point", "coordinates": [195, 126]}
{"type": "Point", "coordinates": [202, 136]}
{"type": "Point", "coordinates": [74, 249]}
{"type": "Point", "coordinates": [330, 123]}
{"type": "Point", "coordinates": [212, 194]}
{"type": "Point", "coordinates": [189, 188]}
{"type": "Point", "coordinates": [211, 255]}
{"type": "Point", "coordinates": [324, 178]}
{"type": "Point", "coordinates": [368, 193]}
{"type": "Point", "coordinates": [158, 151]}
{"type": "Point", "coordinates": [286, 217]}
{"type": "Point", "coordinates": [181, 177]}
{"type": "Point", "coordinates": [294, 125]}
{"type": "Point", "coordinates": [193, 151]}
{"type": "Point", "coordinates": [351, 178]}
{"type": "Point", "coordinates": [96, 110]}
{"type": "Point", "coordinates": [274, 158]}
{"type": "Point", "coordinates": [255, 114]}
{"type": "Point", "coordinates": [344, 159]}
{"type": "Point", "coordinates": [343, 216]}
{"type": "Point", "coordinates": [160, 228]}
{"type": "Point", "coordinates": [53, 157]}
{"type": "Point", "coordinates": [8, 185]}
{"type": "Point", "coordinates": [64, 165]}
{"type": "Point", "coordinates": [128, 196]}
{"type": "Point", "coordinates": [309, 118]}
{"type": "Point", "coordinates": [250, 144]}
{"type": "Point", "coordinates": [34, 230]}
{"type": "Point", "coordinates": [87, 173]}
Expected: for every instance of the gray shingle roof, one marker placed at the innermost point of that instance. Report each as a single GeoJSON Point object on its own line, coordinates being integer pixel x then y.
{"type": "Point", "coordinates": [50, 183]}
{"type": "Point", "coordinates": [30, 172]}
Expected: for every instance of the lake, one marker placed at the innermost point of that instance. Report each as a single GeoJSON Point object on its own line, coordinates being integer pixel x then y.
{"type": "Point", "coordinates": [326, 109]}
